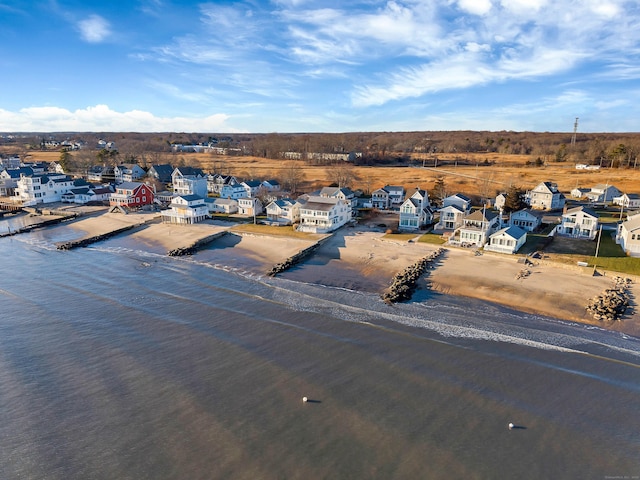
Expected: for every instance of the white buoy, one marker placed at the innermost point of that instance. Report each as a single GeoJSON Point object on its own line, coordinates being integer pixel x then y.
{"type": "Point", "coordinates": [305, 399]}
{"type": "Point", "coordinates": [511, 425]}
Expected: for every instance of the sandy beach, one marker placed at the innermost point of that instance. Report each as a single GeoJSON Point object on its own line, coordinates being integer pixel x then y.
{"type": "Point", "coordinates": [361, 258]}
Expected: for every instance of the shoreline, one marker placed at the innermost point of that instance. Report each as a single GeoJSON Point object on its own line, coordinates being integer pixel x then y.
{"type": "Point", "coordinates": [360, 258]}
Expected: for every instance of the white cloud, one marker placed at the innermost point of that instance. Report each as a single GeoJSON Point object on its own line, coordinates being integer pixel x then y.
{"type": "Point", "coordinates": [94, 29]}
{"type": "Point", "coordinates": [475, 7]}
{"type": "Point", "coordinates": [102, 118]}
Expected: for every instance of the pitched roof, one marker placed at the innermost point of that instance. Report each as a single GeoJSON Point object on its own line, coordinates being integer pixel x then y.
{"type": "Point", "coordinates": [513, 232]}
{"type": "Point", "coordinates": [482, 215]}
{"type": "Point", "coordinates": [581, 208]}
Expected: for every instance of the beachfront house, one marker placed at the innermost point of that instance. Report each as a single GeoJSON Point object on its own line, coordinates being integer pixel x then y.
{"type": "Point", "coordinates": [476, 228]}
{"type": "Point", "coordinates": [284, 211]}
{"type": "Point", "coordinates": [186, 210]}
{"type": "Point", "coordinates": [603, 193]}
{"type": "Point", "coordinates": [323, 214]}
{"type": "Point", "coordinates": [387, 197]}
{"type": "Point", "coordinates": [545, 196]}
{"type": "Point", "coordinates": [416, 211]}
{"type": "Point", "coordinates": [506, 240]}
{"type": "Point", "coordinates": [131, 195]}
{"type": "Point", "coordinates": [578, 222]}
{"type": "Point", "coordinates": [221, 205]}
{"type": "Point", "coordinates": [525, 219]}
{"type": "Point", "coordinates": [87, 193]}
{"type": "Point", "coordinates": [42, 188]}
{"type": "Point", "coordinates": [250, 206]}
{"type": "Point", "coordinates": [627, 200]}
{"type": "Point", "coordinates": [451, 217]}
{"type": "Point", "coordinates": [189, 181]}
{"type": "Point", "coordinates": [628, 235]}
{"type": "Point", "coordinates": [9, 179]}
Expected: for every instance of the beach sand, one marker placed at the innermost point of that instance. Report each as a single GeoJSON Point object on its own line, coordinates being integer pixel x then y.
{"type": "Point", "coordinates": [361, 258]}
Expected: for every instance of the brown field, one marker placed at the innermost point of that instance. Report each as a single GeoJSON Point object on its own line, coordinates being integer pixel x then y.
{"type": "Point", "coordinates": [484, 175]}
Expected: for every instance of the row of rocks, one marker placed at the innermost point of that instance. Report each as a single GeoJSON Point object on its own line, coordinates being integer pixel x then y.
{"type": "Point", "coordinates": [404, 283]}
{"type": "Point", "coordinates": [292, 261]}
{"type": "Point", "coordinates": [34, 226]}
{"type": "Point", "coordinates": [193, 248]}
{"type": "Point", "coordinates": [96, 238]}
{"type": "Point", "coordinates": [612, 303]}
{"type": "Point", "coordinates": [524, 273]}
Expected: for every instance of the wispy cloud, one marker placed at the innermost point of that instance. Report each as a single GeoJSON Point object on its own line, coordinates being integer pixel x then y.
{"type": "Point", "coordinates": [102, 118]}
{"type": "Point", "coordinates": [94, 29]}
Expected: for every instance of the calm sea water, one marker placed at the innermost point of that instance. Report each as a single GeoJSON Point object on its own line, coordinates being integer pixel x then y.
{"type": "Point", "coordinates": [121, 363]}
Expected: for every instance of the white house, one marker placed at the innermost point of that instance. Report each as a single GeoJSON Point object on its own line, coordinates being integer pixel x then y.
{"type": "Point", "coordinates": [234, 191]}
{"type": "Point", "coordinates": [628, 200]}
{"type": "Point", "coordinates": [579, 192]}
{"type": "Point", "coordinates": [416, 211]}
{"type": "Point", "coordinates": [250, 206]}
{"type": "Point", "coordinates": [216, 182]}
{"type": "Point", "coordinates": [500, 200]}
{"type": "Point", "coordinates": [189, 181]}
{"type": "Point", "coordinates": [186, 209]}
{"type": "Point", "coordinates": [603, 193]}
{"type": "Point", "coordinates": [283, 210]}
{"type": "Point", "coordinates": [460, 200]}
{"type": "Point", "coordinates": [42, 188]}
{"type": "Point", "coordinates": [387, 197]}
{"type": "Point", "coordinates": [506, 240]}
{"type": "Point", "coordinates": [252, 187]}
{"type": "Point", "coordinates": [526, 219]}
{"type": "Point", "coordinates": [578, 222]}
{"type": "Point", "coordinates": [476, 228]}
{"type": "Point", "coordinates": [451, 217]}
{"type": "Point", "coordinates": [628, 235]}
{"type": "Point", "coordinates": [545, 196]}
{"type": "Point", "coordinates": [128, 172]}
{"type": "Point", "coordinates": [221, 205]}
{"type": "Point", "coordinates": [323, 214]}
{"type": "Point", "coordinates": [86, 194]}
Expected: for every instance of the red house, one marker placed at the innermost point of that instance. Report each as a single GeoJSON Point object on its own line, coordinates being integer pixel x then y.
{"type": "Point", "coordinates": [131, 194]}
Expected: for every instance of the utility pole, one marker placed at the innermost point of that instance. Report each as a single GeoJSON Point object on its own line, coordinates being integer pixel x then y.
{"type": "Point", "coordinates": [575, 131]}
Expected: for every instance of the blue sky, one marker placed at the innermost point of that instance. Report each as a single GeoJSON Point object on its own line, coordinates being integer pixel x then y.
{"type": "Point", "coordinates": [319, 66]}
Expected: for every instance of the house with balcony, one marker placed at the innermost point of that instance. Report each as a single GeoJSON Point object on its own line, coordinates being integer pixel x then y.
{"type": "Point", "coordinates": [459, 200]}
{"type": "Point", "coordinates": [323, 214]}
{"type": "Point", "coordinates": [186, 210]}
{"type": "Point", "coordinates": [131, 195]}
{"type": "Point", "coordinates": [526, 219]}
{"type": "Point", "coordinates": [128, 172]}
{"type": "Point", "coordinates": [42, 188]}
{"type": "Point", "coordinates": [416, 211]}
{"type": "Point", "coordinates": [216, 181]}
{"type": "Point", "coordinates": [579, 222]}
{"type": "Point", "coordinates": [9, 179]}
{"type": "Point", "coordinates": [388, 197]}
{"type": "Point", "coordinates": [545, 196]}
{"type": "Point", "coordinates": [233, 191]}
{"type": "Point", "coordinates": [451, 217]}
{"type": "Point", "coordinates": [476, 228]}
{"type": "Point", "coordinates": [628, 235]}
{"type": "Point", "coordinates": [506, 240]}
{"type": "Point", "coordinates": [189, 181]}
{"type": "Point", "coordinates": [283, 211]}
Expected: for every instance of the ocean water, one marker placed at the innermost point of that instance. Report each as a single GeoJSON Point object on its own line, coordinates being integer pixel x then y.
{"type": "Point", "coordinates": [120, 362]}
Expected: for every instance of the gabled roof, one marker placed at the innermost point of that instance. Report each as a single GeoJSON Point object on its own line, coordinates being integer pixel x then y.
{"type": "Point", "coordinates": [452, 207]}
{"type": "Point", "coordinates": [129, 185]}
{"type": "Point", "coordinates": [482, 215]}
{"type": "Point", "coordinates": [16, 172]}
{"type": "Point", "coordinates": [579, 209]}
{"type": "Point", "coordinates": [513, 232]}
{"type": "Point", "coordinates": [460, 196]}
{"type": "Point", "coordinates": [189, 171]}
{"type": "Point", "coordinates": [190, 198]}
{"type": "Point", "coordinates": [252, 183]}
{"type": "Point", "coordinates": [549, 187]}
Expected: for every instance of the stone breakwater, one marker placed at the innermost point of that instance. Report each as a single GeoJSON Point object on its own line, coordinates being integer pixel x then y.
{"type": "Point", "coordinates": [83, 242]}
{"type": "Point", "coordinates": [612, 303]}
{"type": "Point", "coordinates": [295, 259]}
{"type": "Point", "coordinates": [404, 283]}
{"type": "Point", "coordinates": [44, 223]}
{"type": "Point", "coordinates": [195, 246]}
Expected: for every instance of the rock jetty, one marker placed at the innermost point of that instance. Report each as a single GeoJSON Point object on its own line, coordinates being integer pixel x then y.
{"type": "Point", "coordinates": [612, 303]}
{"type": "Point", "coordinates": [404, 283]}
{"type": "Point", "coordinates": [83, 242]}
{"type": "Point", "coordinates": [194, 247]}
{"type": "Point", "coordinates": [295, 259]}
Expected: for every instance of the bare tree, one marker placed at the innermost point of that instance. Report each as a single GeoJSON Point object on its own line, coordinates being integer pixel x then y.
{"type": "Point", "coordinates": [291, 176]}
{"type": "Point", "coordinates": [342, 175]}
